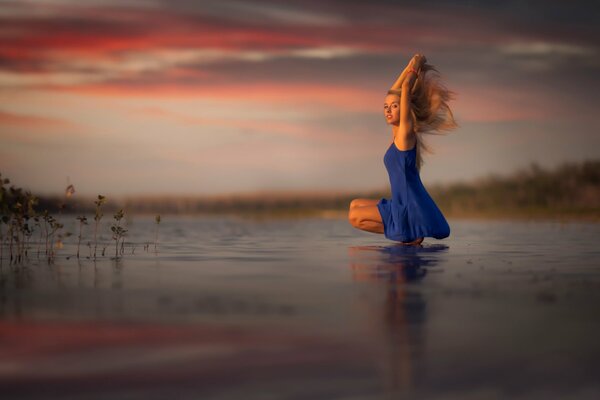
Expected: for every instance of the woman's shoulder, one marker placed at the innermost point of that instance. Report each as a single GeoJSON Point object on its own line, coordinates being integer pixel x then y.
{"type": "Point", "coordinates": [404, 144]}
{"type": "Point", "coordinates": [405, 140]}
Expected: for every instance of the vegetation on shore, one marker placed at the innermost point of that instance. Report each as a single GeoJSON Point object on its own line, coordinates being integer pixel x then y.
{"type": "Point", "coordinates": [571, 190]}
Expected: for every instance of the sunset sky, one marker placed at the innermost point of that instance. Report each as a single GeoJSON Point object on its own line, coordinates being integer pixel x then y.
{"type": "Point", "coordinates": [127, 97]}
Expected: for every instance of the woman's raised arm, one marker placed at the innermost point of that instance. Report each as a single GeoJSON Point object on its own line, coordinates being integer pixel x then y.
{"type": "Point", "coordinates": [398, 84]}
{"type": "Point", "coordinates": [406, 121]}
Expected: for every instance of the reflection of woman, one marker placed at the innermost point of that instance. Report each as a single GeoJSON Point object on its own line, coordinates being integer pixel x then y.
{"type": "Point", "coordinates": [394, 264]}
{"type": "Point", "coordinates": [416, 104]}
{"type": "Point", "coordinates": [402, 334]}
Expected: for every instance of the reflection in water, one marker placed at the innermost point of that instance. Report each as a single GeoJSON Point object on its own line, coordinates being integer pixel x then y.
{"type": "Point", "coordinates": [266, 306]}
{"type": "Point", "coordinates": [404, 313]}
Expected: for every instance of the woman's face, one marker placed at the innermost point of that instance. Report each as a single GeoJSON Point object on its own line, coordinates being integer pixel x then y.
{"type": "Point", "coordinates": [391, 108]}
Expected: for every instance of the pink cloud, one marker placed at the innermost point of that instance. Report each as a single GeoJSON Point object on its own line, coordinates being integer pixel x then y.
{"type": "Point", "coordinates": [493, 103]}
{"type": "Point", "coordinates": [345, 97]}
{"type": "Point", "coordinates": [32, 121]}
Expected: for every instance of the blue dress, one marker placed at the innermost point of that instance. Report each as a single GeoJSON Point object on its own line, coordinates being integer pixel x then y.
{"type": "Point", "coordinates": [411, 213]}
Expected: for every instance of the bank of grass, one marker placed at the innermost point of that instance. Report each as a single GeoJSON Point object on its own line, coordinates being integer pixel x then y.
{"type": "Point", "coordinates": [570, 191]}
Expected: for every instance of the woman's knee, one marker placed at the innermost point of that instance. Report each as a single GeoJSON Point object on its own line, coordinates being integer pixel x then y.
{"type": "Point", "coordinates": [356, 216]}
{"type": "Point", "coordinates": [353, 217]}
{"type": "Point", "coordinates": [363, 202]}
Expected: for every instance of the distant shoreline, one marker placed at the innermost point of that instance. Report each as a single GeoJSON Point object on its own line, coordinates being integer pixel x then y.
{"type": "Point", "coordinates": [593, 218]}
{"type": "Point", "coordinates": [570, 192]}
{"type": "Point", "coordinates": [343, 214]}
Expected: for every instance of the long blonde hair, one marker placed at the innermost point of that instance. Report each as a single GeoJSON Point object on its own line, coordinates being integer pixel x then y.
{"type": "Point", "coordinates": [429, 108]}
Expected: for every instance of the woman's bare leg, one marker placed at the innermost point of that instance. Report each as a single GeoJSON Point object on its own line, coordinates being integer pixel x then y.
{"type": "Point", "coordinates": [366, 218]}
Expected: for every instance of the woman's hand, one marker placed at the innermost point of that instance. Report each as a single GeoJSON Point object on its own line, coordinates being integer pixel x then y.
{"type": "Point", "coordinates": [417, 62]}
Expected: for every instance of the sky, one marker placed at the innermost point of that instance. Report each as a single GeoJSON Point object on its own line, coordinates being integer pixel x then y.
{"type": "Point", "coordinates": [183, 97]}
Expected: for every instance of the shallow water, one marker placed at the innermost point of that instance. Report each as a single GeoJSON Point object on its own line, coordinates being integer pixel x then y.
{"type": "Point", "coordinates": [308, 309]}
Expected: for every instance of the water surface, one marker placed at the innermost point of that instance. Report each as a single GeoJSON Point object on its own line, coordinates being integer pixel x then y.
{"type": "Point", "coordinates": [307, 309]}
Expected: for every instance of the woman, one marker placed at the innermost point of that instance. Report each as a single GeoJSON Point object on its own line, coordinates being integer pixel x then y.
{"type": "Point", "coordinates": [416, 104]}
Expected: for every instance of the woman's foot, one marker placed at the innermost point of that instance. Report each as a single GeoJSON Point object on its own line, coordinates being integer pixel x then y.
{"type": "Point", "coordinates": [414, 242]}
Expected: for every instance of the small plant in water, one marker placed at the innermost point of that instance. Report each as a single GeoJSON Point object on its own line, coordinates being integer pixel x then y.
{"type": "Point", "coordinates": [4, 211]}
{"type": "Point", "coordinates": [20, 224]}
{"type": "Point", "coordinates": [82, 221]}
{"type": "Point", "coordinates": [157, 219]}
{"type": "Point", "coordinates": [46, 216]}
{"type": "Point", "coordinates": [59, 233]}
{"type": "Point", "coordinates": [39, 226]}
{"type": "Point", "coordinates": [13, 230]}
{"type": "Point", "coordinates": [32, 201]}
{"type": "Point", "coordinates": [54, 227]}
{"type": "Point", "coordinates": [101, 200]}
{"type": "Point", "coordinates": [63, 205]}
{"type": "Point", "coordinates": [118, 231]}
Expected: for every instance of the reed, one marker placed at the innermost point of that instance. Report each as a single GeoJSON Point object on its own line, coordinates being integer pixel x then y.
{"type": "Point", "coordinates": [46, 217]}
{"type": "Point", "coordinates": [17, 225]}
{"type": "Point", "coordinates": [82, 221]}
{"type": "Point", "coordinates": [55, 226]}
{"type": "Point", "coordinates": [97, 217]}
{"type": "Point", "coordinates": [58, 228]}
{"type": "Point", "coordinates": [157, 220]}
{"type": "Point", "coordinates": [39, 226]}
{"type": "Point", "coordinates": [11, 236]}
{"type": "Point", "coordinates": [118, 231]}
{"type": "Point", "coordinates": [17, 212]}
{"type": "Point", "coordinates": [4, 212]}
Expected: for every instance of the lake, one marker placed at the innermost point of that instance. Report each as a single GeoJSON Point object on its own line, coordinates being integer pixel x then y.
{"type": "Point", "coordinates": [311, 308]}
